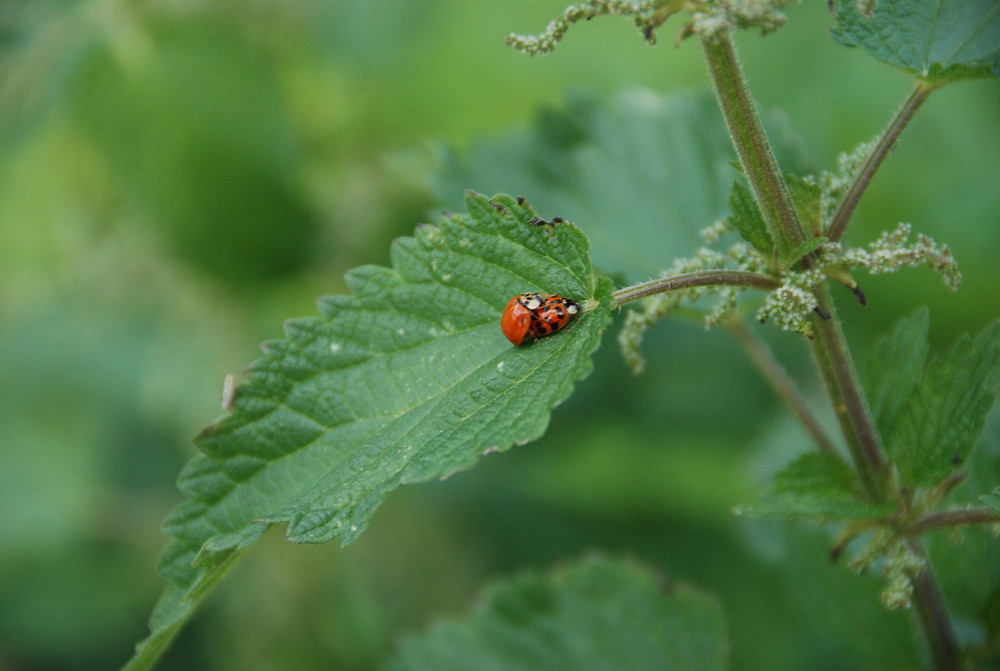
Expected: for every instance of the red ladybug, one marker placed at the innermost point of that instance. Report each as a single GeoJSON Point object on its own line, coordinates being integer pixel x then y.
{"type": "Point", "coordinates": [553, 314]}
{"type": "Point", "coordinates": [515, 322]}
{"type": "Point", "coordinates": [537, 315]}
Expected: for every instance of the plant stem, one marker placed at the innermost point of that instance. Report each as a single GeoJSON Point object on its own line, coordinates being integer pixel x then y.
{"type": "Point", "coordinates": [833, 358]}
{"type": "Point", "coordinates": [933, 614]}
{"type": "Point", "coordinates": [834, 361]}
{"type": "Point", "coordinates": [751, 143]}
{"type": "Point", "coordinates": [776, 206]}
{"type": "Point", "coordinates": [698, 278]}
{"type": "Point", "coordinates": [838, 224]}
{"type": "Point", "coordinates": [829, 346]}
{"type": "Point", "coordinates": [775, 373]}
{"type": "Point", "coordinates": [954, 518]}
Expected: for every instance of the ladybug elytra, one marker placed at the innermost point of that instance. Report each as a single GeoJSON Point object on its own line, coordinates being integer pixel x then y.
{"type": "Point", "coordinates": [537, 315]}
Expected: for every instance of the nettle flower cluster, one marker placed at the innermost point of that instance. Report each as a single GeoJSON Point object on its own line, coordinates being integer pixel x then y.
{"type": "Point", "coordinates": [790, 301]}
{"type": "Point", "coordinates": [707, 17]}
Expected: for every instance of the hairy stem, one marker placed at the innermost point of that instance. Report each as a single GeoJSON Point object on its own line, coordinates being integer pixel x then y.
{"type": "Point", "coordinates": [750, 142]}
{"type": "Point", "coordinates": [698, 278]}
{"type": "Point", "coordinates": [954, 518]}
{"type": "Point", "coordinates": [829, 346]}
{"type": "Point", "coordinates": [775, 373]}
{"type": "Point", "coordinates": [932, 610]}
{"type": "Point", "coordinates": [838, 224]}
{"type": "Point", "coordinates": [834, 361]}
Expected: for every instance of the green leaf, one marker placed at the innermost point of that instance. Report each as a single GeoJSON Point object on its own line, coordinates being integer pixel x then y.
{"type": "Point", "coordinates": [645, 172]}
{"type": "Point", "coordinates": [408, 379]}
{"type": "Point", "coordinates": [937, 428]}
{"type": "Point", "coordinates": [992, 499]}
{"type": "Point", "coordinates": [747, 219]}
{"type": "Point", "coordinates": [934, 39]}
{"type": "Point", "coordinates": [845, 608]}
{"type": "Point", "coordinates": [817, 485]}
{"type": "Point", "coordinates": [597, 614]}
{"type": "Point", "coordinates": [968, 571]}
{"type": "Point", "coordinates": [807, 197]}
{"type": "Point", "coordinates": [792, 256]}
{"type": "Point", "coordinates": [893, 368]}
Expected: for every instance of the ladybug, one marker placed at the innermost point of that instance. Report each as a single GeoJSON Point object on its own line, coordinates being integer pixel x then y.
{"type": "Point", "coordinates": [515, 322]}
{"type": "Point", "coordinates": [536, 315]}
{"type": "Point", "coordinates": [553, 314]}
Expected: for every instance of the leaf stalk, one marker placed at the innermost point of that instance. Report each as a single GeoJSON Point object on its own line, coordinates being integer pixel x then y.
{"type": "Point", "coordinates": [775, 374]}
{"type": "Point", "coordinates": [932, 610]}
{"type": "Point", "coordinates": [698, 278]}
{"type": "Point", "coordinates": [886, 143]}
{"type": "Point", "coordinates": [954, 518]}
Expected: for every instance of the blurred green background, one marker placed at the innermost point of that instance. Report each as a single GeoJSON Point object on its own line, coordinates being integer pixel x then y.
{"type": "Point", "coordinates": [179, 177]}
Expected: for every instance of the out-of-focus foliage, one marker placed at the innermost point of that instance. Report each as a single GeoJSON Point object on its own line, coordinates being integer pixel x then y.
{"type": "Point", "coordinates": [644, 171]}
{"type": "Point", "coordinates": [947, 39]}
{"type": "Point", "coordinates": [596, 614]}
{"type": "Point", "coordinates": [179, 177]}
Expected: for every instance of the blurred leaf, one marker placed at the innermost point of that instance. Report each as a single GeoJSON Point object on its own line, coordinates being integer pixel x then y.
{"type": "Point", "coordinates": [184, 117]}
{"type": "Point", "coordinates": [992, 499]}
{"type": "Point", "coordinates": [893, 368]}
{"type": "Point", "coordinates": [747, 219]}
{"type": "Point", "coordinates": [933, 39]}
{"type": "Point", "coordinates": [815, 485]}
{"type": "Point", "coordinates": [844, 609]}
{"type": "Point", "coordinates": [190, 119]}
{"type": "Point", "coordinates": [92, 426]}
{"type": "Point", "coordinates": [967, 561]}
{"type": "Point", "coordinates": [644, 172]}
{"type": "Point", "coordinates": [641, 172]}
{"type": "Point", "coordinates": [597, 614]}
{"type": "Point", "coordinates": [406, 380]}
{"type": "Point", "coordinates": [938, 426]}
{"type": "Point", "coordinates": [969, 574]}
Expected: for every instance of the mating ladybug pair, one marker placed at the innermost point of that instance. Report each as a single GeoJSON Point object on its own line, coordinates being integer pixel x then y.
{"type": "Point", "coordinates": [536, 315]}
